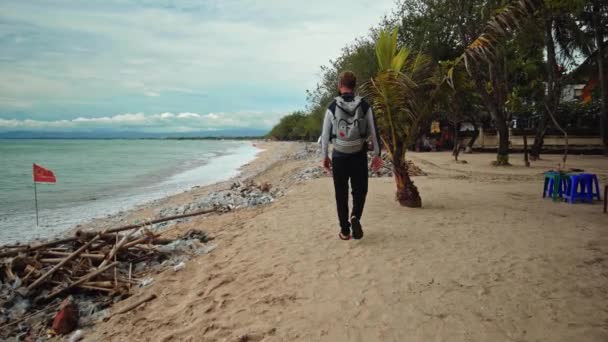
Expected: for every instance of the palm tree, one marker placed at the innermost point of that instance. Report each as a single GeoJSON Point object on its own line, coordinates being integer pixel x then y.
{"type": "Point", "coordinates": [401, 94]}
{"type": "Point", "coordinates": [485, 61]}
{"type": "Point", "coordinates": [561, 34]}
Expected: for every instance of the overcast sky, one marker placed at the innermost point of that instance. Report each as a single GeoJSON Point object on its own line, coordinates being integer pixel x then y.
{"type": "Point", "coordinates": [167, 65]}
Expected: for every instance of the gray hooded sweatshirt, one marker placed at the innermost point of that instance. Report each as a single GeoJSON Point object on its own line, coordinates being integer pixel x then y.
{"type": "Point", "coordinates": [348, 124]}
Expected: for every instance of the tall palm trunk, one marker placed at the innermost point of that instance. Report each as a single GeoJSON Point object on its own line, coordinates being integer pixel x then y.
{"type": "Point", "coordinates": [502, 157]}
{"type": "Point", "coordinates": [553, 89]}
{"type": "Point", "coordinates": [599, 41]}
{"type": "Point", "coordinates": [407, 193]}
{"type": "Point", "coordinates": [494, 103]}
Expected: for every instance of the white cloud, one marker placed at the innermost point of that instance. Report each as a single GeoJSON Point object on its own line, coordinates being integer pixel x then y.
{"type": "Point", "coordinates": [188, 115]}
{"type": "Point", "coordinates": [116, 119]}
{"type": "Point", "coordinates": [120, 49]}
{"type": "Point", "coordinates": [162, 122]}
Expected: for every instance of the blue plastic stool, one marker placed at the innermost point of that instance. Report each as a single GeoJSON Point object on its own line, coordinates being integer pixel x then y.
{"type": "Point", "coordinates": [593, 186]}
{"type": "Point", "coordinates": [581, 187]}
{"type": "Point", "coordinates": [555, 185]}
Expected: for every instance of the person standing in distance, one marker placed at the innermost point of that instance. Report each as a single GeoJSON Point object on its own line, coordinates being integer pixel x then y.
{"type": "Point", "coordinates": [348, 124]}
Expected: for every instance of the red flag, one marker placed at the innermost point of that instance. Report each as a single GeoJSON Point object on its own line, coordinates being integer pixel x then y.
{"type": "Point", "coordinates": [43, 175]}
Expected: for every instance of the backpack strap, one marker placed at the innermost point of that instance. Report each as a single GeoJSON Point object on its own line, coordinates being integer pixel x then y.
{"type": "Point", "coordinates": [332, 109]}
{"type": "Point", "coordinates": [365, 108]}
{"type": "Point", "coordinates": [349, 112]}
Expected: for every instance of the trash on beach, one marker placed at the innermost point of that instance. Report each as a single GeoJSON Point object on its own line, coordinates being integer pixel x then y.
{"type": "Point", "coordinates": [75, 280]}
{"type": "Point", "coordinates": [66, 320]}
{"type": "Point", "coordinates": [146, 281]}
{"type": "Point", "coordinates": [179, 267]}
{"type": "Point", "coordinates": [76, 336]}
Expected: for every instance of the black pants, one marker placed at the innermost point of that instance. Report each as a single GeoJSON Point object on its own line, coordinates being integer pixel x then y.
{"type": "Point", "coordinates": [351, 167]}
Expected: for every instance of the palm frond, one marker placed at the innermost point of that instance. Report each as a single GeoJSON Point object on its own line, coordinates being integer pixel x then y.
{"type": "Point", "coordinates": [499, 27]}
{"type": "Point", "coordinates": [504, 22]}
{"type": "Point", "coordinates": [402, 92]}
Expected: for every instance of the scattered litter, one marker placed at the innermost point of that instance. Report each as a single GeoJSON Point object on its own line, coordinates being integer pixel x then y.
{"type": "Point", "coordinates": [76, 336]}
{"type": "Point", "coordinates": [66, 320]}
{"type": "Point", "coordinates": [146, 281]}
{"type": "Point", "coordinates": [179, 267]}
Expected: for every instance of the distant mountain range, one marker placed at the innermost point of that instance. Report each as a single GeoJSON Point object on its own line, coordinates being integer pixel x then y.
{"type": "Point", "coordinates": [101, 134]}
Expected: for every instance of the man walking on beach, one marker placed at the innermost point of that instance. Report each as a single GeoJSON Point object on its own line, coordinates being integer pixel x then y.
{"type": "Point", "coordinates": [348, 124]}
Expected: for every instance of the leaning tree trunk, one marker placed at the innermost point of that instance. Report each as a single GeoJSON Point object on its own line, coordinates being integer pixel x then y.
{"type": "Point", "coordinates": [599, 41]}
{"type": "Point", "coordinates": [407, 193]}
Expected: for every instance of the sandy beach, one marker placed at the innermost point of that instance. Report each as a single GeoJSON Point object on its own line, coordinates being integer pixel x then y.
{"type": "Point", "coordinates": [485, 259]}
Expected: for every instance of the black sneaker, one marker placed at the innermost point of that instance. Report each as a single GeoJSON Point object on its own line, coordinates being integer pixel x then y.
{"type": "Point", "coordinates": [356, 227]}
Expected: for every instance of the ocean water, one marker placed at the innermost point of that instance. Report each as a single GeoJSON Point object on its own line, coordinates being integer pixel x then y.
{"type": "Point", "coordinates": [96, 178]}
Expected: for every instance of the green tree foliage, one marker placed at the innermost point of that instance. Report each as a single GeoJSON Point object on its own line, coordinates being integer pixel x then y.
{"type": "Point", "coordinates": [358, 57]}
{"type": "Point", "coordinates": [508, 54]}
{"type": "Point", "coordinates": [291, 127]}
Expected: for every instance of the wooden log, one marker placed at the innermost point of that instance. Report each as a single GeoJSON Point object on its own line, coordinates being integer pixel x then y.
{"type": "Point", "coordinates": [131, 264]}
{"type": "Point", "coordinates": [51, 260]}
{"type": "Point", "coordinates": [97, 288]}
{"type": "Point", "coordinates": [81, 280]}
{"type": "Point", "coordinates": [129, 280]}
{"type": "Point", "coordinates": [30, 271]}
{"type": "Point", "coordinates": [136, 304]}
{"type": "Point", "coordinates": [155, 239]}
{"type": "Point", "coordinates": [58, 266]}
{"type": "Point", "coordinates": [83, 255]}
{"type": "Point", "coordinates": [8, 270]}
{"type": "Point", "coordinates": [27, 248]}
{"type": "Point", "coordinates": [170, 218]}
{"type": "Point", "coordinates": [105, 283]}
{"type": "Point", "coordinates": [116, 248]}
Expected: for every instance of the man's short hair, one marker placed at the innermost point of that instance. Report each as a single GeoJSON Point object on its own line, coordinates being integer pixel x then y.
{"type": "Point", "coordinates": [348, 80]}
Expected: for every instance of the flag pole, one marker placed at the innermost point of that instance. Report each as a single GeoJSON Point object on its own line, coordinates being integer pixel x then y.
{"type": "Point", "coordinates": [36, 201]}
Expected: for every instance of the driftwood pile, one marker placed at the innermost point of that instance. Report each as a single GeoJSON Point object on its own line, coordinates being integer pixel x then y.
{"type": "Point", "coordinates": [99, 266]}
{"type": "Point", "coordinates": [387, 168]}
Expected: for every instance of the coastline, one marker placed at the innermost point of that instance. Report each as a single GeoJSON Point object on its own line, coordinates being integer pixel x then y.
{"type": "Point", "coordinates": [124, 204]}
{"type": "Point", "coordinates": [274, 165]}
{"type": "Point", "coordinates": [269, 153]}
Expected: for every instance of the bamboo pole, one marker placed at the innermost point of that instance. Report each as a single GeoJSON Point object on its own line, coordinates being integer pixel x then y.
{"type": "Point", "coordinates": [58, 266]}
{"type": "Point", "coordinates": [81, 280]}
{"type": "Point", "coordinates": [36, 201]}
{"type": "Point", "coordinates": [116, 248]}
{"type": "Point", "coordinates": [136, 304]}
{"type": "Point", "coordinates": [83, 255]}
{"type": "Point", "coordinates": [96, 288]}
{"type": "Point", "coordinates": [25, 249]}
